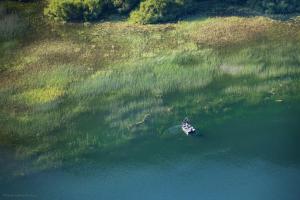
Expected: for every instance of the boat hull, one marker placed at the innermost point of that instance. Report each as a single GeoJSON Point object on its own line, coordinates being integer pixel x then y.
{"type": "Point", "coordinates": [187, 132]}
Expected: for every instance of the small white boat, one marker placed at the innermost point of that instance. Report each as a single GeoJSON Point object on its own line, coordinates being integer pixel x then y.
{"type": "Point", "coordinates": [187, 128]}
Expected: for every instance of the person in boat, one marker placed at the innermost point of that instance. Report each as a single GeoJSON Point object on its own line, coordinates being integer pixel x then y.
{"type": "Point", "coordinates": [185, 121]}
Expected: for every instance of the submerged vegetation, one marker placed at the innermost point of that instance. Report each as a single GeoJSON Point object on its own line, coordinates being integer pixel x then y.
{"type": "Point", "coordinates": [79, 89]}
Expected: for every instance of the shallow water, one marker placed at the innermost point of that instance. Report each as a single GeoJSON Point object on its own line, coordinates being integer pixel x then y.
{"type": "Point", "coordinates": [255, 155]}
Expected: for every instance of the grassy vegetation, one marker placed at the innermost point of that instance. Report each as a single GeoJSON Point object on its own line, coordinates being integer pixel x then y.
{"type": "Point", "coordinates": [75, 90]}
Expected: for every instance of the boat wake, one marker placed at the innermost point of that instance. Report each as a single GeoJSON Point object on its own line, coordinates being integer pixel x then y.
{"type": "Point", "coordinates": [176, 129]}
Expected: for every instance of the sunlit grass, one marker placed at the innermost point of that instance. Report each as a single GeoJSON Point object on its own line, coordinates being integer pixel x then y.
{"type": "Point", "coordinates": [220, 32]}
{"type": "Point", "coordinates": [41, 95]}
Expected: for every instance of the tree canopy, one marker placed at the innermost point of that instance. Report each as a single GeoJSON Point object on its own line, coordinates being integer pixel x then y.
{"type": "Point", "coordinates": [155, 11]}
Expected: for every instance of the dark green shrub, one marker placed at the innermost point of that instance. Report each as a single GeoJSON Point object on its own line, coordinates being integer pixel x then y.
{"type": "Point", "coordinates": [75, 10]}
{"type": "Point", "coordinates": [154, 11]}
{"type": "Point", "coordinates": [125, 6]}
{"type": "Point", "coordinates": [275, 6]}
{"type": "Point", "coordinates": [12, 26]}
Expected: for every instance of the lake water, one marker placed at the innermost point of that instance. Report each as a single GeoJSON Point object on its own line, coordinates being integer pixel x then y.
{"type": "Point", "coordinates": [253, 156]}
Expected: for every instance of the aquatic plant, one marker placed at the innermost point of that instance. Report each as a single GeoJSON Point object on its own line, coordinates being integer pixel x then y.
{"type": "Point", "coordinates": [61, 92]}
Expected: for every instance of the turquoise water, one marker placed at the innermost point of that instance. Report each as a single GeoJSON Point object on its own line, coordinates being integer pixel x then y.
{"type": "Point", "coordinates": [253, 155]}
